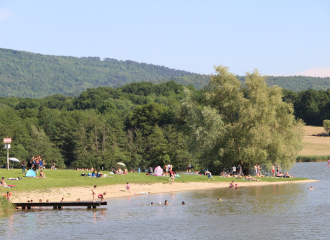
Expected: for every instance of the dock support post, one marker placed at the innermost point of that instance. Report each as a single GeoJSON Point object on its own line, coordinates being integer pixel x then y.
{"type": "Point", "coordinates": [94, 206]}
{"type": "Point", "coordinates": [59, 207]}
{"type": "Point", "coordinates": [28, 207]}
{"type": "Point", "coordinates": [55, 207]}
{"type": "Point", "coordinates": [88, 207]}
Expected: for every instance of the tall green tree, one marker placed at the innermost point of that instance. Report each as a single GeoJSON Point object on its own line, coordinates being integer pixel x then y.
{"type": "Point", "coordinates": [249, 125]}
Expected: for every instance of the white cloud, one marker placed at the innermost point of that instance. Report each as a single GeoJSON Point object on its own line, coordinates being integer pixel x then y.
{"type": "Point", "coordinates": [315, 72]}
{"type": "Point", "coordinates": [4, 13]}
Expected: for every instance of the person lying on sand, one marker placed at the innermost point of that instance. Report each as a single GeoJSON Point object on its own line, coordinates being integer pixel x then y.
{"type": "Point", "coordinates": [251, 178]}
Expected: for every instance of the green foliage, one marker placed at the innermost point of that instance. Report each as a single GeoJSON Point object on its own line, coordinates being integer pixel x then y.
{"type": "Point", "coordinates": [244, 126]}
{"type": "Point", "coordinates": [25, 74]}
{"type": "Point", "coordinates": [326, 125]}
{"type": "Point", "coordinates": [5, 205]}
{"type": "Point", "coordinates": [313, 158]}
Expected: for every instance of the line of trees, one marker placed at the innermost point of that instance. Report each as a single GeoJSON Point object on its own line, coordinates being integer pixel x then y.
{"type": "Point", "coordinates": [145, 124]}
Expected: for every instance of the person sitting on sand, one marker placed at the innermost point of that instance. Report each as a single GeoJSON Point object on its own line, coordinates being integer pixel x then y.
{"type": "Point", "coordinates": [231, 185]}
{"type": "Point", "coordinates": [62, 200]}
{"type": "Point", "coordinates": [279, 174]}
{"type": "Point", "coordinates": [42, 174]}
{"type": "Point", "coordinates": [223, 174]}
{"type": "Point", "coordinates": [3, 183]}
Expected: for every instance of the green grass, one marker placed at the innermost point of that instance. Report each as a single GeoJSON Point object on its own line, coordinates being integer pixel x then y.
{"type": "Point", "coordinates": [72, 178]}
{"type": "Point", "coordinates": [313, 158]}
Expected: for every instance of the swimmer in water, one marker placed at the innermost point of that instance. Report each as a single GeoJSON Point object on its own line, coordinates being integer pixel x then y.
{"type": "Point", "coordinates": [183, 203]}
{"type": "Point", "coordinates": [151, 204]}
{"type": "Point", "coordinates": [166, 202]}
{"type": "Point", "coordinates": [311, 188]}
{"type": "Point", "coordinates": [219, 200]}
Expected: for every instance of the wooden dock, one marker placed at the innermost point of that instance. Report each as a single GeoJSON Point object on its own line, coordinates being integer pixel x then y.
{"type": "Point", "coordinates": [59, 205]}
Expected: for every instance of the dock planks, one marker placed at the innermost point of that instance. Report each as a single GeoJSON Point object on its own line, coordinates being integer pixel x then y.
{"type": "Point", "coordinates": [59, 205]}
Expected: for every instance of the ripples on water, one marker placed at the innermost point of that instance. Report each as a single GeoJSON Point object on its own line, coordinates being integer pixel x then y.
{"type": "Point", "coordinates": [268, 212]}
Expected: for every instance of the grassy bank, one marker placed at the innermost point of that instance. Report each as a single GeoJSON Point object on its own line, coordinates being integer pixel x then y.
{"type": "Point", "coordinates": [72, 178]}
{"type": "Point", "coordinates": [313, 158]}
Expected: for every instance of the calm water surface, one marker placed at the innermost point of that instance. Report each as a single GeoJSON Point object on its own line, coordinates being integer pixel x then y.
{"type": "Point", "coordinates": [287, 211]}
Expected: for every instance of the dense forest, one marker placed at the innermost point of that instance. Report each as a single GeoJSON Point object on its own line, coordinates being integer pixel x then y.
{"type": "Point", "coordinates": [141, 124]}
{"type": "Point", "coordinates": [25, 74]}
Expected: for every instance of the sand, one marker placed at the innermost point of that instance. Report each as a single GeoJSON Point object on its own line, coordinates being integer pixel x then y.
{"type": "Point", "coordinates": [115, 191]}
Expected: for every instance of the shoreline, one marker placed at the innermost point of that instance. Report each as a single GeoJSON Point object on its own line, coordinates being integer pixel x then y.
{"type": "Point", "coordinates": [119, 190]}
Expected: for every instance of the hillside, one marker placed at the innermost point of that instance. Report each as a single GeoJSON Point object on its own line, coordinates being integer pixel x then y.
{"type": "Point", "coordinates": [25, 74]}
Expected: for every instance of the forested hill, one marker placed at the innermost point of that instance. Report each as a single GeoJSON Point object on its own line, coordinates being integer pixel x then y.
{"type": "Point", "coordinates": [25, 74]}
{"type": "Point", "coordinates": [296, 83]}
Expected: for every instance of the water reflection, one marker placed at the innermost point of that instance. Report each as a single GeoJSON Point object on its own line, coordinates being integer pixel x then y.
{"type": "Point", "coordinates": [275, 211]}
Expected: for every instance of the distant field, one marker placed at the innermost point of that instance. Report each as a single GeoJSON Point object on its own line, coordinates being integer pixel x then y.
{"type": "Point", "coordinates": [315, 146]}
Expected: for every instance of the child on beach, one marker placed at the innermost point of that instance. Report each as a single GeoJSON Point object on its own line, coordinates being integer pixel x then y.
{"type": "Point", "coordinates": [209, 175]}
{"type": "Point", "coordinates": [93, 192]}
{"type": "Point", "coordinates": [231, 185]}
{"type": "Point", "coordinates": [128, 187]}
{"type": "Point", "coordinates": [101, 196]}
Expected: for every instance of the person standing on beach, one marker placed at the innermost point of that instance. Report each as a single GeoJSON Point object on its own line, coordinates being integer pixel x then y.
{"type": "Point", "coordinates": [128, 187]}
{"type": "Point", "coordinates": [93, 192]}
{"type": "Point", "coordinates": [209, 175]}
{"type": "Point", "coordinates": [23, 166]}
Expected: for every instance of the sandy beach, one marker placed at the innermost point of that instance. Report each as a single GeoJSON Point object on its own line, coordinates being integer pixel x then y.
{"type": "Point", "coordinates": [115, 191]}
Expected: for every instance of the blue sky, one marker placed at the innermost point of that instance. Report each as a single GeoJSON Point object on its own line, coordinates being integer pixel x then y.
{"type": "Point", "coordinates": [276, 37]}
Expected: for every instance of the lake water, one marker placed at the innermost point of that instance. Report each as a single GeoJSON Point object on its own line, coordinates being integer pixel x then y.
{"type": "Point", "coordinates": [267, 212]}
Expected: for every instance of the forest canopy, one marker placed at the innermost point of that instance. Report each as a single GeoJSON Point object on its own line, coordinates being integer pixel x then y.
{"type": "Point", "coordinates": [26, 74]}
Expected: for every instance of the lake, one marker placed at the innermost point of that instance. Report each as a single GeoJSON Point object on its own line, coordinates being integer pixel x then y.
{"type": "Point", "coordinates": [266, 212]}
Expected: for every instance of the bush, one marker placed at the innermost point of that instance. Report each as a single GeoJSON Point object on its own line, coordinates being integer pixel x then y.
{"type": "Point", "coordinates": [5, 205]}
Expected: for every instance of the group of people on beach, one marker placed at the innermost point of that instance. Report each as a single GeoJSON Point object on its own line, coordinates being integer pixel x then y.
{"type": "Point", "coordinates": [169, 172]}
{"type": "Point", "coordinates": [35, 163]}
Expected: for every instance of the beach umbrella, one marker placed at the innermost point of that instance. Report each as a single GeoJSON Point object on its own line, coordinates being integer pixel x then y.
{"type": "Point", "coordinates": [14, 159]}
{"type": "Point", "coordinates": [120, 163]}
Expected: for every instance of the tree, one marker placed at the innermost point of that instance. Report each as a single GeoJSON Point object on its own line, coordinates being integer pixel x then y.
{"type": "Point", "coordinates": [326, 125]}
{"type": "Point", "coordinates": [246, 125]}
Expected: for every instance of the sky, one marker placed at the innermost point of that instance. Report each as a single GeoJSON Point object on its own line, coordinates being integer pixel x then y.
{"type": "Point", "coordinates": [281, 37]}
